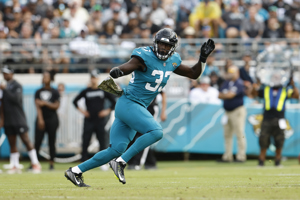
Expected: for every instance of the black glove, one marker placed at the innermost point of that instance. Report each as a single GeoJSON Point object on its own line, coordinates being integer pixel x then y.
{"type": "Point", "coordinates": [206, 49]}
{"type": "Point", "coordinates": [116, 72]}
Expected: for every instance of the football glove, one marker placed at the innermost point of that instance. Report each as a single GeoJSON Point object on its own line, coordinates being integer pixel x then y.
{"type": "Point", "coordinates": [116, 72]}
{"type": "Point", "coordinates": [206, 49]}
{"type": "Point", "coordinates": [110, 86]}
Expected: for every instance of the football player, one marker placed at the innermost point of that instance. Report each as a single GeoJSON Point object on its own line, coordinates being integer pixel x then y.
{"type": "Point", "coordinates": [151, 68]}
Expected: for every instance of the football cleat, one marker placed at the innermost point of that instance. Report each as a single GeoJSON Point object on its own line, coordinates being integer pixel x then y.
{"type": "Point", "coordinates": [14, 170]}
{"type": "Point", "coordinates": [118, 168]}
{"type": "Point", "coordinates": [76, 179]}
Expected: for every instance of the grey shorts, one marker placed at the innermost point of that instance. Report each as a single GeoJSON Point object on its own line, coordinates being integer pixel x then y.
{"type": "Point", "coordinates": [270, 128]}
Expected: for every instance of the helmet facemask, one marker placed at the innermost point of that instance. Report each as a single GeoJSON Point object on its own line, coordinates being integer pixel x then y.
{"type": "Point", "coordinates": [167, 36]}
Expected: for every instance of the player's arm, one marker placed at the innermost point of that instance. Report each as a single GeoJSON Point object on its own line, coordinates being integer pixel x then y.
{"type": "Point", "coordinates": [196, 71]}
{"type": "Point", "coordinates": [133, 64]}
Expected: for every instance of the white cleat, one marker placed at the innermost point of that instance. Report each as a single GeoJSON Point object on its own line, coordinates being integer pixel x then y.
{"type": "Point", "coordinates": [14, 170]}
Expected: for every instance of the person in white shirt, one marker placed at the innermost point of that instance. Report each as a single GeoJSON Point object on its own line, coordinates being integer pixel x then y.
{"type": "Point", "coordinates": [204, 93]}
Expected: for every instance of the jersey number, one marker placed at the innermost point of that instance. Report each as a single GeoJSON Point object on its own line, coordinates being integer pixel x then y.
{"type": "Point", "coordinates": [158, 81]}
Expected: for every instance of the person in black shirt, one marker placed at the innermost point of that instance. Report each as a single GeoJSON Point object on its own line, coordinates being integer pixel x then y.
{"type": "Point", "coordinates": [46, 102]}
{"type": "Point", "coordinates": [94, 114]}
{"type": "Point", "coordinates": [274, 124]}
{"type": "Point", "coordinates": [14, 121]}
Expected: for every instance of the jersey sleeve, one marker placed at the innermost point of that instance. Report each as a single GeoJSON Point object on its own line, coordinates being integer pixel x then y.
{"type": "Point", "coordinates": [177, 60]}
{"type": "Point", "coordinates": [141, 54]}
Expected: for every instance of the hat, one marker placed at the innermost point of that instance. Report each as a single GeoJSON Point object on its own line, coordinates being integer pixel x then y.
{"type": "Point", "coordinates": [17, 10]}
{"type": "Point", "coordinates": [117, 9]}
{"type": "Point", "coordinates": [272, 9]}
{"type": "Point", "coordinates": [7, 70]}
{"type": "Point", "coordinates": [169, 22]}
{"type": "Point", "coordinates": [9, 4]}
{"type": "Point", "coordinates": [65, 18]}
{"type": "Point", "coordinates": [204, 80]}
{"type": "Point", "coordinates": [94, 73]}
{"type": "Point", "coordinates": [189, 31]}
{"type": "Point", "coordinates": [132, 15]}
{"type": "Point", "coordinates": [97, 7]}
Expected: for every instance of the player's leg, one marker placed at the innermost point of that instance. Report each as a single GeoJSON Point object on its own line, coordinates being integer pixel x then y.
{"type": "Point", "coordinates": [120, 136]}
{"type": "Point", "coordinates": [142, 121]}
{"type": "Point", "coordinates": [88, 129]}
{"type": "Point", "coordinates": [228, 134]}
{"type": "Point", "coordinates": [239, 129]}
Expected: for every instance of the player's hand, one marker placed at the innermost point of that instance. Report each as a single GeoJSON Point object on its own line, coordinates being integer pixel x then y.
{"type": "Point", "coordinates": [116, 72]}
{"type": "Point", "coordinates": [41, 125]}
{"type": "Point", "coordinates": [206, 49]}
{"type": "Point", "coordinates": [104, 113]}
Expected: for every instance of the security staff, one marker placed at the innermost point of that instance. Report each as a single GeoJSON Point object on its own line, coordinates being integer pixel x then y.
{"type": "Point", "coordinates": [274, 124]}
{"type": "Point", "coordinates": [47, 102]}
{"type": "Point", "coordinates": [94, 114]}
{"type": "Point", "coordinates": [232, 92]}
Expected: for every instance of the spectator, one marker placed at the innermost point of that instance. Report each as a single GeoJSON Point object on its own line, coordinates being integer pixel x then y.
{"type": "Point", "coordinates": [183, 24]}
{"type": "Point", "coordinates": [204, 93]}
{"type": "Point", "coordinates": [158, 15]}
{"type": "Point", "coordinates": [273, 30]}
{"type": "Point", "coordinates": [109, 31]}
{"type": "Point", "coordinates": [1, 19]}
{"type": "Point", "coordinates": [115, 7]}
{"type": "Point", "coordinates": [262, 13]}
{"type": "Point", "coordinates": [17, 12]}
{"type": "Point", "coordinates": [131, 30]}
{"type": "Point", "coordinates": [231, 21]}
{"type": "Point", "coordinates": [232, 92]}
{"type": "Point", "coordinates": [206, 13]}
{"type": "Point", "coordinates": [190, 48]}
{"type": "Point", "coordinates": [77, 15]}
{"type": "Point", "coordinates": [205, 32]}
{"type": "Point", "coordinates": [94, 114]}
{"type": "Point", "coordinates": [185, 9]}
{"type": "Point", "coordinates": [215, 80]}
{"type": "Point", "coordinates": [274, 124]}
{"type": "Point", "coordinates": [14, 122]}
{"type": "Point", "coordinates": [60, 5]}
{"type": "Point", "coordinates": [41, 8]}
{"type": "Point", "coordinates": [252, 28]}
{"type": "Point", "coordinates": [11, 25]}
{"type": "Point", "coordinates": [283, 10]}
{"type": "Point", "coordinates": [95, 18]}
{"type": "Point", "coordinates": [273, 12]}
{"type": "Point", "coordinates": [65, 30]}
{"type": "Point", "coordinates": [244, 71]}
{"type": "Point", "coordinates": [289, 30]}
{"type": "Point", "coordinates": [46, 103]}
{"type": "Point", "coordinates": [44, 31]}
{"type": "Point", "coordinates": [4, 45]}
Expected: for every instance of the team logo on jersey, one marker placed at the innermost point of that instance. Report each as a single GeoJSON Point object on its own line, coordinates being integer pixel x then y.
{"type": "Point", "coordinates": [174, 64]}
{"type": "Point", "coordinates": [164, 64]}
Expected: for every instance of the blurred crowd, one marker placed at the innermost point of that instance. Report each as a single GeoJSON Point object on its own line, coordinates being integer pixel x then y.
{"type": "Point", "coordinates": [85, 23]}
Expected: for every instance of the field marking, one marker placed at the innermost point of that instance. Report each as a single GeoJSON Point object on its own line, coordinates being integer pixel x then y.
{"type": "Point", "coordinates": [204, 130]}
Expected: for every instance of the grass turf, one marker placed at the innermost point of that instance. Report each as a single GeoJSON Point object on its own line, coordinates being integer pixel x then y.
{"type": "Point", "coordinates": [172, 180]}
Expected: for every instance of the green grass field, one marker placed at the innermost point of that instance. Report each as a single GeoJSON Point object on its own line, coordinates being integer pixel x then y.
{"type": "Point", "coordinates": [172, 180]}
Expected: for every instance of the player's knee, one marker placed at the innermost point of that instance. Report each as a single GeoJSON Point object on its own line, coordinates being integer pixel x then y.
{"type": "Point", "coordinates": [119, 148]}
{"type": "Point", "coordinates": [157, 134]}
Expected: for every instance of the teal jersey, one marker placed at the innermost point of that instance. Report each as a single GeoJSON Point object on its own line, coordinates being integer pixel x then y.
{"type": "Point", "coordinates": [145, 85]}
